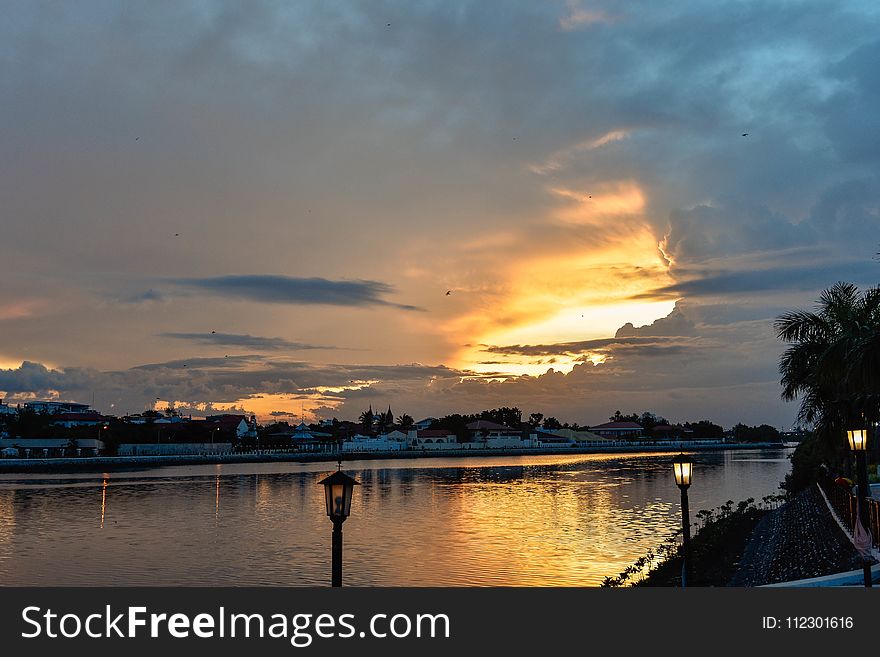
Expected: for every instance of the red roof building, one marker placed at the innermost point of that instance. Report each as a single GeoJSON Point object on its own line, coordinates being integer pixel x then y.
{"type": "Point", "coordinates": [617, 429]}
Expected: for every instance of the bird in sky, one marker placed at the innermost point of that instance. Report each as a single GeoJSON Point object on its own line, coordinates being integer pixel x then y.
{"type": "Point", "coordinates": [213, 331]}
{"type": "Point", "coordinates": [448, 292]}
{"type": "Point", "coordinates": [136, 138]}
{"type": "Point", "coordinates": [176, 234]}
{"type": "Point", "coordinates": [745, 134]}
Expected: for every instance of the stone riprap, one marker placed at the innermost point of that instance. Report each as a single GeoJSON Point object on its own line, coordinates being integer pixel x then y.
{"type": "Point", "coordinates": [799, 540]}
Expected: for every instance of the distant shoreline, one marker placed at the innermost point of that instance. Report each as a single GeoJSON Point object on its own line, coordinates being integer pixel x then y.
{"type": "Point", "coordinates": [123, 463]}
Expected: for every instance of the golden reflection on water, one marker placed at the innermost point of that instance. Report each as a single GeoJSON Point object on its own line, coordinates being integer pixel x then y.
{"type": "Point", "coordinates": [527, 521]}
{"type": "Point", "coordinates": [103, 499]}
{"type": "Point", "coordinates": [7, 523]}
{"type": "Point", "coordinates": [217, 502]}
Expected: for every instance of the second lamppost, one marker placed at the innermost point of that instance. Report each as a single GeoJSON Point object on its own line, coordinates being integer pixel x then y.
{"type": "Point", "coordinates": [858, 444]}
{"type": "Point", "coordinates": [338, 488]}
{"type": "Point", "coordinates": [683, 468]}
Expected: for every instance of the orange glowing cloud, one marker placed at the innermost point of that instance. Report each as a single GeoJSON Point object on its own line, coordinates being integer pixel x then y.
{"type": "Point", "coordinates": [19, 309]}
{"type": "Point", "coordinates": [569, 291]}
{"type": "Point", "coordinates": [609, 199]}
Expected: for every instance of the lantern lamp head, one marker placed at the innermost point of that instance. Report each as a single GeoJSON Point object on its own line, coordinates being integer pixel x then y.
{"type": "Point", "coordinates": [338, 488]}
{"type": "Point", "coordinates": [682, 468]}
{"type": "Point", "coordinates": [858, 439]}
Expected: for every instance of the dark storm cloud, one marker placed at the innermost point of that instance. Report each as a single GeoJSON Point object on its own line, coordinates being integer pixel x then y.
{"type": "Point", "coordinates": [290, 290]}
{"type": "Point", "coordinates": [206, 380]}
{"type": "Point", "coordinates": [242, 340]}
{"type": "Point", "coordinates": [733, 283]}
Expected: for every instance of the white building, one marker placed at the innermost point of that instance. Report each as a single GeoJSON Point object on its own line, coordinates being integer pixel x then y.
{"type": "Point", "coordinates": [432, 439]}
{"type": "Point", "coordinates": [359, 443]}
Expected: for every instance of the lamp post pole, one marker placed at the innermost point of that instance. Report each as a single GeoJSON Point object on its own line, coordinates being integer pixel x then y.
{"type": "Point", "coordinates": [862, 470]}
{"type": "Point", "coordinates": [336, 553]}
{"type": "Point", "coordinates": [685, 537]}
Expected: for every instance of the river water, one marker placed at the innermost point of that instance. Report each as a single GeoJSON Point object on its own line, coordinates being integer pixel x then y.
{"type": "Point", "coordinates": [493, 521]}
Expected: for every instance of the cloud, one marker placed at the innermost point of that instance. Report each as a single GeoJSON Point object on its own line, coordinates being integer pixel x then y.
{"type": "Point", "coordinates": [242, 340]}
{"type": "Point", "coordinates": [676, 323]}
{"type": "Point", "coordinates": [145, 297]}
{"type": "Point", "coordinates": [579, 17]}
{"type": "Point", "coordinates": [737, 283]}
{"type": "Point", "coordinates": [564, 156]}
{"type": "Point", "coordinates": [583, 347]}
{"type": "Point", "coordinates": [291, 290]}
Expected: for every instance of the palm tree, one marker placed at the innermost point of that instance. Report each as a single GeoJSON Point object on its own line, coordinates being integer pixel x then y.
{"type": "Point", "coordinates": [832, 362]}
{"type": "Point", "coordinates": [366, 419]}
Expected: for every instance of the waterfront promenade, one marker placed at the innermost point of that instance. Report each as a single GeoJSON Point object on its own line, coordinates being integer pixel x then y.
{"type": "Point", "coordinates": [116, 463]}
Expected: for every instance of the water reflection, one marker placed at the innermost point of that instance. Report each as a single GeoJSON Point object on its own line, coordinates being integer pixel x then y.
{"type": "Point", "coordinates": [103, 499]}
{"type": "Point", "coordinates": [543, 521]}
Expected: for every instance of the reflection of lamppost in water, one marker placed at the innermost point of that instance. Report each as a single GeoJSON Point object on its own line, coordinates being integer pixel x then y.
{"type": "Point", "coordinates": [858, 443]}
{"type": "Point", "coordinates": [338, 488]}
{"type": "Point", "coordinates": [682, 469]}
{"type": "Point", "coordinates": [104, 499]}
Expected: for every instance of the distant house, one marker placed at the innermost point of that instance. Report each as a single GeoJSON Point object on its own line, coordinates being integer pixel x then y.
{"type": "Point", "coordinates": [576, 436]}
{"type": "Point", "coordinates": [70, 420]}
{"type": "Point", "coordinates": [360, 443]}
{"type": "Point", "coordinates": [52, 447]}
{"type": "Point", "coordinates": [555, 439]}
{"type": "Point", "coordinates": [429, 436]}
{"type": "Point", "coordinates": [303, 434]}
{"type": "Point", "coordinates": [240, 424]}
{"type": "Point", "coordinates": [6, 409]}
{"type": "Point", "coordinates": [55, 407]}
{"type": "Point", "coordinates": [482, 428]}
{"type": "Point", "coordinates": [396, 435]}
{"type": "Point", "coordinates": [618, 430]}
{"type": "Point", "coordinates": [169, 419]}
{"type": "Point", "coordinates": [425, 424]}
{"type": "Point", "coordinates": [665, 432]}
{"type": "Point", "coordinates": [432, 439]}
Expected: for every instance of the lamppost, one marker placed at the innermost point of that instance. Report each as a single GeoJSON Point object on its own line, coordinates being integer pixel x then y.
{"type": "Point", "coordinates": [682, 469]}
{"type": "Point", "coordinates": [858, 443]}
{"type": "Point", "coordinates": [338, 488]}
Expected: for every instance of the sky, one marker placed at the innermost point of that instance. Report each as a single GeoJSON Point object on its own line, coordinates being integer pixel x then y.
{"type": "Point", "coordinates": [444, 206]}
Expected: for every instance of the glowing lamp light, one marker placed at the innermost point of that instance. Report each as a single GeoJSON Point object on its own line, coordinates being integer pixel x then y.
{"type": "Point", "coordinates": [682, 468]}
{"type": "Point", "coordinates": [858, 439]}
{"type": "Point", "coordinates": [338, 488]}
